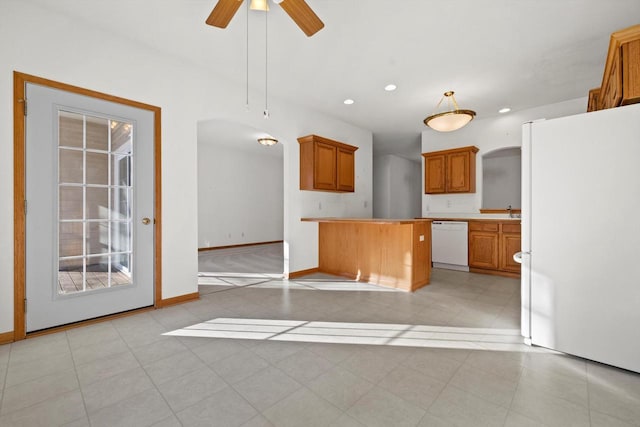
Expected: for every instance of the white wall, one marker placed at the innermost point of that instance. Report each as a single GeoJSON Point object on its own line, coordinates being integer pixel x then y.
{"type": "Point", "coordinates": [41, 42]}
{"type": "Point", "coordinates": [240, 195]}
{"type": "Point", "coordinates": [488, 135]}
{"type": "Point", "coordinates": [396, 187]}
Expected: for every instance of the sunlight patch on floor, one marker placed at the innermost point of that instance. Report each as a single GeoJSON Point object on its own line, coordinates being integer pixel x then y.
{"type": "Point", "coordinates": [358, 333]}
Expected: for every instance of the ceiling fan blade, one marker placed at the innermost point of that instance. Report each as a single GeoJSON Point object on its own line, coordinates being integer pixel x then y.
{"type": "Point", "coordinates": [223, 12]}
{"type": "Point", "coordinates": [302, 14]}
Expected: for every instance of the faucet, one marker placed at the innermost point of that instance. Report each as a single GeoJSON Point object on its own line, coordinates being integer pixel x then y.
{"type": "Point", "coordinates": [510, 212]}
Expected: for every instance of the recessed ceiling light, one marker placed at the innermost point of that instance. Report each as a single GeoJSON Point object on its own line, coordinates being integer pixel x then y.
{"type": "Point", "coordinates": [504, 110]}
{"type": "Point", "coordinates": [348, 101]}
{"type": "Point", "coordinates": [390, 88]}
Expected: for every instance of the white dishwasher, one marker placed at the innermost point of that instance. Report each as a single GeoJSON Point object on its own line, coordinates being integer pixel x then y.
{"type": "Point", "coordinates": [449, 245]}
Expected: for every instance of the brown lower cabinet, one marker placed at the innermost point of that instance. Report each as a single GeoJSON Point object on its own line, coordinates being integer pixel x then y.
{"type": "Point", "coordinates": [492, 245]}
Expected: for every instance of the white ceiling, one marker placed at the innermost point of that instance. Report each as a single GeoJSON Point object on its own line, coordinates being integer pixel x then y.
{"type": "Point", "coordinates": [516, 53]}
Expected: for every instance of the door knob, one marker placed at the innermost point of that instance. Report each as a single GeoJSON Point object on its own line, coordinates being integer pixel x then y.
{"type": "Point", "coordinates": [146, 221]}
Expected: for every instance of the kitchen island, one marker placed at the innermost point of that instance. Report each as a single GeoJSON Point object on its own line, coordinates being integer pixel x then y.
{"type": "Point", "coordinates": [387, 252]}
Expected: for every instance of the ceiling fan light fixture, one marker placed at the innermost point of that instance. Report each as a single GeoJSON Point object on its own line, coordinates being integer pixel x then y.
{"type": "Point", "coordinates": [450, 119]}
{"type": "Point", "coordinates": [267, 141]}
{"type": "Point", "coordinates": [259, 5]}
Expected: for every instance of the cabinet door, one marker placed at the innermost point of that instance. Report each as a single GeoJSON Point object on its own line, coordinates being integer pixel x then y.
{"type": "Point", "coordinates": [324, 168]}
{"type": "Point", "coordinates": [483, 250]}
{"type": "Point", "coordinates": [434, 174]}
{"type": "Point", "coordinates": [631, 72]}
{"type": "Point", "coordinates": [458, 173]}
{"type": "Point", "coordinates": [509, 244]}
{"type": "Point", "coordinates": [346, 172]}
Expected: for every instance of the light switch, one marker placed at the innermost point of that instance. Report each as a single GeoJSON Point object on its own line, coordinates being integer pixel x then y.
{"type": "Point", "coordinates": [422, 237]}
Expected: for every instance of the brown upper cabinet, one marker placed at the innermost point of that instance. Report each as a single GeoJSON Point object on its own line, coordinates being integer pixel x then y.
{"type": "Point", "coordinates": [326, 165]}
{"type": "Point", "coordinates": [450, 171]}
{"type": "Point", "coordinates": [621, 78]}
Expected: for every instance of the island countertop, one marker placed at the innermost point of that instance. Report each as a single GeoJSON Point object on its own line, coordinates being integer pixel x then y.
{"type": "Point", "coordinates": [367, 220]}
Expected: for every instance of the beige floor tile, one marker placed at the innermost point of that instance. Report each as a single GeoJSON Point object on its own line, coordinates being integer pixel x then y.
{"type": "Point", "coordinates": [548, 409]}
{"type": "Point", "coordinates": [23, 372]}
{"type": "Point", "coordinates": [224, 408]}
{"type": "Point", "coordinates": [460, 408]}
{"type": "Point", "coordinates": [340, 387]}
{"type": "Point", "coordinates": [111, 390]}
{"type": "Point", "coordinates": [217, 349]}
{"type": "Point", "coordinates": [368, 365]}
{"type": "Point", "coordinates": [488, 386]}
{"type": "Point", "coordinates": [61, 409]}
{"type": "Point", "coordinates": [80, 422]}
{"type": "Point", "coordinates": [602, 420]}
{"type": "Point", "coordinates": [430, 420]}
{"type": "Point", "coordinates": [381, 408]}
{"type": "Point", "coordinates": [505, 364]}
{"type": "Point", "coordinates": [266, 387]}
{"type": "Point", "coordinates": [174, 366]}
{"type": "Point", "coordinates": [100, 350]}
{"type": "Point", "coordinates": [171, 421]}
{"type": "Point", "coordinates": [106, 367]}
{"type": "Point", "coordinates": [39, 348]}
{"type": "Point", "coordinates": [302, 408]}
{"type": "Point", "coordinates": [38, 390]}
{"type": "Point", "coordinates": [616, 402]}
{"type": "Point", "coordinates": [258, 421]}
{"type": "Point", "coordinates": [194, 374]}
{"type": "Point", "coordinates": [556, 385]}
{"type": "Point", "coordinates": [274, 351]}
{"type": "Point", "coordinates": [304, 366]}
{"type": "Point", "coordinates": [518, 420]}
{"type": "Point", "coordinates": [239, 366]}
{"type": "Point", "coordinates": [157, 350]}
{"type": "Point", "coordinates": [413, 386]}
{"type": "Point", "coordinates": [143, 409]}
{"type": "Point", "coordinates": [434, 363]}
{"type": "Point", "coordinates": [92, 334]}
{"type": "Point", "coordinates": [191, 388]}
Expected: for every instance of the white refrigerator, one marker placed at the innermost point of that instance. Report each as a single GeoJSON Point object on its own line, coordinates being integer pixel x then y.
{"type": "Point", "coordinates": [581, 235]}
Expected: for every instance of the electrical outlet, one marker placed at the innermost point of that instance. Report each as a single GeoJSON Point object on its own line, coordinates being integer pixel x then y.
{"type": "Point", "coordinates": [422, 237]}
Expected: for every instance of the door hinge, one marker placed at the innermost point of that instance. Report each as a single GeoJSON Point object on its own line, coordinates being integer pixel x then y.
{"type": "Point", "coordinates": [25, 305]}
{"type": "Point", "coordinates": [24, 104]}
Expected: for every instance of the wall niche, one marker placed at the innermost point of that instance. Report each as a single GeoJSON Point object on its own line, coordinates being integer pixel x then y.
{"type": "Point", "coordinates": [501, 179]}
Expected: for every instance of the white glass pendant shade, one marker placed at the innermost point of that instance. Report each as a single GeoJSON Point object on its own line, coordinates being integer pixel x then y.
{"type": "Point", "coordinates": [259, 5]}
{"type": "Point", "coordinates": [267, 141]}
{"type": "Point", "coordinates": [450, 119]}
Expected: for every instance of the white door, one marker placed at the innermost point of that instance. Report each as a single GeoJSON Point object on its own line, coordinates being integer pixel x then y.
{"type": "Point", "coordinates": [89, 184]}
{"type": "Point", "coordinates": [580, 203]}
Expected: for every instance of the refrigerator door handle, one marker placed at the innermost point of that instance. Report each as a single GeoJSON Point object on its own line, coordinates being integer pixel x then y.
{"type": "Point", "coordinates": [517, 257]}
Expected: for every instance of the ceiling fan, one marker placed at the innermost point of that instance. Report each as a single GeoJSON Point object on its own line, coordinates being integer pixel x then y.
{"type": "Point", "coordinates": [298, 10]}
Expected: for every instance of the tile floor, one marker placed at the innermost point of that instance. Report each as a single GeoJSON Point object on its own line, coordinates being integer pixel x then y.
{"type": "Point", "coordinates": [456, 362]}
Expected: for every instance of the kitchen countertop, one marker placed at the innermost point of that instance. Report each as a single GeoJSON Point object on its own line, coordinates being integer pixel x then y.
{"type": "Point", "coordinates": [368, 220]}
{"type": "Point", "coordinates": [478, 218]}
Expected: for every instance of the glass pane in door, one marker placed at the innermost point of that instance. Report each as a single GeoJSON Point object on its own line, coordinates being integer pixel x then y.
{"type": "Point", "coordinates": [94, 202]}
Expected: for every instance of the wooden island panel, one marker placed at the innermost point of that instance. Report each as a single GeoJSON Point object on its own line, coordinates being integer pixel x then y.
{"type": "Point", "coordinates": [395, 254]}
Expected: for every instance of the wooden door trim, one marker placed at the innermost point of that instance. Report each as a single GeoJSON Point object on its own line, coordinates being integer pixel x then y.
{"type": "Point", "coordinates": [19, 223]}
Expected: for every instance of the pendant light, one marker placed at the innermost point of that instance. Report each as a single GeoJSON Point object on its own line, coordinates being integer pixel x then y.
{"type": "Point", "coordinates": [259, 5]}
{"type": "Point", "coordinates": [452, 118]}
